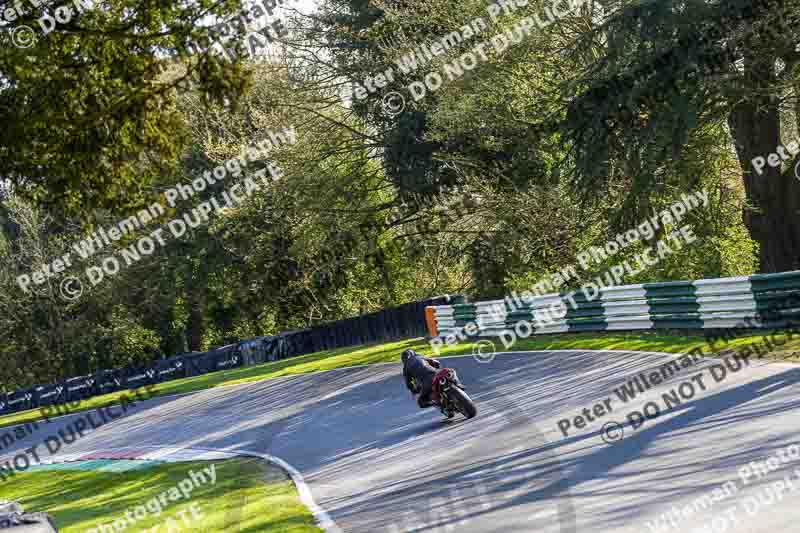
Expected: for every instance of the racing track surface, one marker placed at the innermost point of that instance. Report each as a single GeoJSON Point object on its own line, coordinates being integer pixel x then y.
{"type": "Point", "coordinates": [376, 463]}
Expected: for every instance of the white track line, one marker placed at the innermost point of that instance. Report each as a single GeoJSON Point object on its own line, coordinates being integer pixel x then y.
{"type": "Point", "coordinates": [322, 517]}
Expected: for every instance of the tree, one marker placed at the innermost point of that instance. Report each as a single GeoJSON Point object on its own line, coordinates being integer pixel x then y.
{"type": "Point", "coordinates": [89, 118]}
{"type": "Point", "coordinates": [654, 74]}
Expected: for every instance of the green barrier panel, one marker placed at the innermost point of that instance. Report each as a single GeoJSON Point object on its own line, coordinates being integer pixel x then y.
{"type": "Point", "coordinates": [659, 294]}
{"type": "Point", "coordinates": [773, 299]}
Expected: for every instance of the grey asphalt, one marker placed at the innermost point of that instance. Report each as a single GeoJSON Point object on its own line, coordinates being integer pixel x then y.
{"type": "Point", "coordinates": [376, 463]}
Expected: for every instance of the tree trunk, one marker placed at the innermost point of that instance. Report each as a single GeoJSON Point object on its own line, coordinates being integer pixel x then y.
{"type": "Point", "coordinates": [773, 213]}
{"type": "Point", "coordinates": [196, 307]}
{"type": "Point", "coordinates": [379, 259]}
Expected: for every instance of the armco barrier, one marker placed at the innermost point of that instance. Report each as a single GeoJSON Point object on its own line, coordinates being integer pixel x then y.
{"type": "Point", "coordinates": [401, 322]}
{"type": "Point", "coordinates": [757, 301]}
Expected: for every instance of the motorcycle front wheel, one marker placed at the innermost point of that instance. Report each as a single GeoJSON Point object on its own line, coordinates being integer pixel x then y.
{"type": "Point", "coordinates": [463, 402]}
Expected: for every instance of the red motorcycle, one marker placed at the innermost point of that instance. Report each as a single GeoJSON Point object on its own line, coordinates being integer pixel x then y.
{"type": "Point", "coordinates": [448, 394]}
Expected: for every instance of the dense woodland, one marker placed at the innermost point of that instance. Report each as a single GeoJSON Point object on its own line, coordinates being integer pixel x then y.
{"type": "Point", "coordinates": [489, 184]}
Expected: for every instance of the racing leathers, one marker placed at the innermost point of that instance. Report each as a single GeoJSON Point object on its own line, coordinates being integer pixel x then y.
{"type": "Point", "coordinates": [419, 372]}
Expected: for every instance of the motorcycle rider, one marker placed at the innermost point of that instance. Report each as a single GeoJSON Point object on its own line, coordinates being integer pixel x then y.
{"type": "Point", "coordinates": [419, 372]}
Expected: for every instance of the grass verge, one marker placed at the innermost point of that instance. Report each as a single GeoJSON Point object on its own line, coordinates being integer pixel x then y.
{"type": "Point", "coordinates": [248, 496]}
{"type": "Point", "coordinates": [671, 342]}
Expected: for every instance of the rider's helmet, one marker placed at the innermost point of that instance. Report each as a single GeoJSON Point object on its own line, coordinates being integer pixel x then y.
{"type": "Point", "coordinates": [406, 354]}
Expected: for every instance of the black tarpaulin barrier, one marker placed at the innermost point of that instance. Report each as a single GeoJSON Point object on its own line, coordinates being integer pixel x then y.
{"type": "Point", "coordinates": [133, 378]}
{"type": "Point", "coordinates": [80, 388]}
{"type": "Point", "coordinates": [226, 357]}
{"type": "Point", "coordinates": [4, 407]}
{"type": "Point", "coordinates": [21, 400]}
{"type": "Point", "coordinates": [199, 363]}
{"type": "Point", "coordinates": [108, 381]}
{"type": "Point", "coordinates": [51, 394]}
{"type": "Point", "coordinates": [172, 368]}
{"type": "Point", "coordinates": [265, 349]}
{"type": "Point", "coordinates": [403, 321]}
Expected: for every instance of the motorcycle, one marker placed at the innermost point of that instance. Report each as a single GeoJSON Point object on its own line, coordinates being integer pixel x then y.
{"type": "Point", "coordinates": [449, 395]}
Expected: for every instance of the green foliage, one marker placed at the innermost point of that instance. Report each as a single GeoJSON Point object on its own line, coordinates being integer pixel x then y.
{"type": "Point", "coordinates": [89, 112]}
{"type": "Point", "coordinates": [246, 494]}
{"type": "Point", "coordinates": [493, 182]}
{"type": "Point", "coordinates": [655, 77]}
{"type": "Point", "coordinates": [126, 341]}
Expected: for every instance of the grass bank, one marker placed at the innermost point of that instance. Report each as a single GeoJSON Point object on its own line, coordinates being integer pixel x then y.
{"type": "Point", "coordinates": [247, 495]}
{"type": "Point", "coordinates": [671, 342]}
